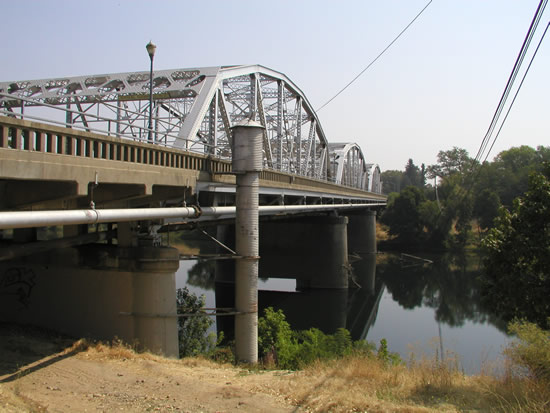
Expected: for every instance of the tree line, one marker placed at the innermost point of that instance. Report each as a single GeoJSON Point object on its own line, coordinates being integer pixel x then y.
{"type": "Point", "coordinates": [438, 205]}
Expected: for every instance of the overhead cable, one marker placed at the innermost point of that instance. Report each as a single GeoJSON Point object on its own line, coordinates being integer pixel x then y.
{"type": "Point", "coordinates": [376, 58]}
{"type": "Point", "coordinates": [505, 94]}
{"type": "Point", "coordinates": [517, 92]}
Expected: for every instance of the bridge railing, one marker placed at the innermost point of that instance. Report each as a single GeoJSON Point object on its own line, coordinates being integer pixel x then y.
{"type": "Point", "coordinates": [112, 127]}
{"type": "Point", "coordinates": [38, 137]}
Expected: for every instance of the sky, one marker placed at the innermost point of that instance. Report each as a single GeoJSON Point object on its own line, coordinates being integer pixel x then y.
{"type": "Point", "coordinates": [436, 88]}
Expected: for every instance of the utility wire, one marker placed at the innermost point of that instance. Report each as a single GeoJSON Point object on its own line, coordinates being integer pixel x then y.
{"type": "Point", "coordinates": [475, 173]}
{"type": "Point", "coordinates": [376, 58]}
{"type": "Point", "coordinates": [532, 28]}
{"type": "Point", "coordinates": [517, 92]}
{"type": "Point", "coordinates": [512, 78]}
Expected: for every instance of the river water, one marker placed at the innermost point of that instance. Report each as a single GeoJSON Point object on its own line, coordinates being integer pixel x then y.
{"type": "Point", "coordinates": [422, 309]}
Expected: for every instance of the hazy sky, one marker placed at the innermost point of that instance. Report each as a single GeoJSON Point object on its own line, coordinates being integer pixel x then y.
{"type": "Point", "coordinates": [436, 88]}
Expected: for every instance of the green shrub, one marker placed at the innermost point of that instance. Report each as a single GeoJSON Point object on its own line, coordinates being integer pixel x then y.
{"type": "Point", "coordinates": [293, 350]}
{"type": "Point", "coordinates": [531, 350]}
{"type": "Point", "coordinates": [193, 328]}
{"type": "Point", "coordinates": [386, 356]}
{"type": "Point", "coordinates": [276, 340]}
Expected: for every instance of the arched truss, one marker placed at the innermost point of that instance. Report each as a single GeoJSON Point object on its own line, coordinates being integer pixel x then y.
{"type": "Point", "coordinates": [193, 109]}
{"type": "Point", "coordinates": [347, 165]}
{"type": "Point", "coordinates": [375, 184]}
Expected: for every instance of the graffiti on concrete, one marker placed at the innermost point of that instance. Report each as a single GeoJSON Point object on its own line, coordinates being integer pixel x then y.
{"type": "Point", "coordinates": [19, 282]}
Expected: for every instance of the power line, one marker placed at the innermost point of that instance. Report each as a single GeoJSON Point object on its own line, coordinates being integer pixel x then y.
{"type": "Point", "coordinates": [517, 92]}
{"type": "Point", "coordinates": [532, 28]}
{"type": "Point", "coordinates": [505, 94]}
{"type": "Point", "coordinates": [376, 58]}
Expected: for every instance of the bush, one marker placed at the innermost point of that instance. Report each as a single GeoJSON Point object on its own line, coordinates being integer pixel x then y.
{"type": "Point", "coordinates": [292, 350]}
{"type": "Point", "coordinates": [275, 339]}
{"type": "Point", "coordinates": [193, 329]}
{"type": "Point", "coordinates": [531, 351]}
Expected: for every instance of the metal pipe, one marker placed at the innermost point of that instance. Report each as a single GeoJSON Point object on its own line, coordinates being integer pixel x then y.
{"type": "Point", "coordinates": [247, 164]}
{"type": "Point", "coordinates": [30, 219]}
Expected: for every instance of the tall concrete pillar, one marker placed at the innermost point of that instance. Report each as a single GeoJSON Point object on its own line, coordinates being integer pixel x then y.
{"type": "Point", "coordinates": [247, 164]}
{"type": "Point", "coordinates": [362, 232]}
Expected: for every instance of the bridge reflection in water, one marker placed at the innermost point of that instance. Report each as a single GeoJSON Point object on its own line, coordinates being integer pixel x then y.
{"type": "Point", "coordinates": [425, 308]}
{"type": "Point", "coordinates": [327, 309]}
{"type": "Point", "coordinates": [353, 305]}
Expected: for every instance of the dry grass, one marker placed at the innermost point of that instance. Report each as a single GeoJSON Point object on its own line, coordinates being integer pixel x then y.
{"type": "Point", "coordinates": [382, 232]}
{"type": "Point", "coordinates": [118, 350]}
{"type": "Point", "coordinates": [363, 384]}
{"type": "Point", "coordinates": [352, 384]}
{"type": "Point", "coordinates": [115, 350]}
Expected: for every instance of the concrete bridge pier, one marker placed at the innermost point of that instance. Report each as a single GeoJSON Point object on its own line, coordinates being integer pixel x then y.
{"type": "Point", "coordinates": [312, 249]}
{"type": "Point", "coordinates": [99, 291]}
{"type": "Point", "coordinates": [362, 232]}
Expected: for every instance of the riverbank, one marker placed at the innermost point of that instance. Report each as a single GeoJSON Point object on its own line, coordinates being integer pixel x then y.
{"type": "Point", "coordinates": [41, 372]}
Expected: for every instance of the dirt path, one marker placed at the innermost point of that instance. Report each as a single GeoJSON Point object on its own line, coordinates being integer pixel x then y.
{"type": "Point", "coordinates": [37, 375]}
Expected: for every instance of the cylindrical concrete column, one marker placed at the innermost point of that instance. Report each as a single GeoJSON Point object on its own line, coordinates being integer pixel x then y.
{"type": "Point", "coordinates": [154, 300]}
{"type": "Point", "coordinates": [314, 248]}
{"type": "Point", "coordinates": [362, 232]}
{"type": "Point", "coordinates": [99, 291]}
{"type": "Point", "coordinates": [247, 164]}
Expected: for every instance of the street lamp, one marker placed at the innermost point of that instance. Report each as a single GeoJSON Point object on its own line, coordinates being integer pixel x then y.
{"type": "Point", "coordinates": [151, 51]}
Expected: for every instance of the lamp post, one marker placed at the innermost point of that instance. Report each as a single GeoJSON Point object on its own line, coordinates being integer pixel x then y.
{"type": "Point", "coordinates": [151, 51]}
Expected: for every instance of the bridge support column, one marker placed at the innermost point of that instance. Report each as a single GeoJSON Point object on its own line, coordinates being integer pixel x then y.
{"type": "Point", "coordinates": [362, 232]}
{"type": "Point", "coordinates": [312, 249]}
{"type": "Point", "coordinates": [247, 164]}
{"type": "Point", "coordinates": [97, 291]}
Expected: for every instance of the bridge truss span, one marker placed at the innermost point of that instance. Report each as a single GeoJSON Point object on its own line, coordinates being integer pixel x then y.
{"type": "Point", "coordinates": [194, 110]}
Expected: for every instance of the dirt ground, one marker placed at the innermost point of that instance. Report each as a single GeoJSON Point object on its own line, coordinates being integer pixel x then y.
{"type": "Point", "coordinates": [40, 372]}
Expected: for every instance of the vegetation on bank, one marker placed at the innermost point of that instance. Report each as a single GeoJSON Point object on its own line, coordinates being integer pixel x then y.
{"type": "Point", "coordinates": [353, 382]}
{"type": "Point", "coordinates": [516, 274]}
{"type": "Point", "coordinates": [439, 206]}
{"type": "Point", "coordinates": [338, 374]}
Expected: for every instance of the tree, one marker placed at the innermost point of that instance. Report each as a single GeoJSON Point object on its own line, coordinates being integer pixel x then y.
{"type": "Point", "coordinates": [402, 215]}
{"type": "Point", "coordinates": [412, 175]}
{"type": "Point", "coordinates": [513, 167]}
{"type": "Point", "coordinates": [391, 181]}
{"type": "Point", "coordinates": [486, 205]}
{"type": "Point", "coordinates": [450, 162]}
{"type": "Point", "coordinates": [516, 275]}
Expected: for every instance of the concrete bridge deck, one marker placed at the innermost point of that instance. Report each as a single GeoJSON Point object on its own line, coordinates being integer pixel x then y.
{"type": "Point", "coordinates": [49, 167]}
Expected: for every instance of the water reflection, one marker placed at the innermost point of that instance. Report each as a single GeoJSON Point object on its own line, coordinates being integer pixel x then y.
{"type": "Point", "coordinates": [441, 300]}
{"type": "Point", "coordinates": [449, 285]}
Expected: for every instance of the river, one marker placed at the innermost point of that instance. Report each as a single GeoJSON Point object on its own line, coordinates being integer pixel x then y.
{"type": "Point", "coordinates": [423, 309]}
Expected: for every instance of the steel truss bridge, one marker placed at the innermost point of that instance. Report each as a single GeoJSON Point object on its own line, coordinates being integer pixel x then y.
{"type": "Point", "coordinates": [117, 159]}
{"type": "Point", "coordinates": [192, 111]}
